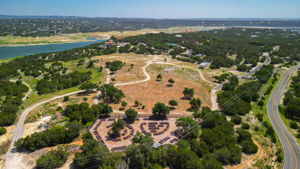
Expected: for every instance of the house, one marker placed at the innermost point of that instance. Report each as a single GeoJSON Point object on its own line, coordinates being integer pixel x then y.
{"type": "Point", "coordinates": [189, 52]}
{"type": "Point", "coordinates": [203, 65]}
{"type": "Point", "coordinates": [110, 42]}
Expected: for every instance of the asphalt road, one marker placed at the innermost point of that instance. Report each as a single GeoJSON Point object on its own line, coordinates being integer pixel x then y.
{"type": "Point", "coordinates": [257, 68]}
{"type": "Point", "coordinates": [290, 147]}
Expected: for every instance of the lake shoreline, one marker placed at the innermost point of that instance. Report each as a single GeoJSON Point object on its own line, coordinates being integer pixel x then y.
{"type": "Point", "coordinates": [7, 52]}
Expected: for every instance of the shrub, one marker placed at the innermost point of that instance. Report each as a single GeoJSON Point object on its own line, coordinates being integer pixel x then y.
{"type": "Point", "coordinates": [259, 117]}
{"type": "Point", "coordinates": [52, 159]}
{"type": "Point", "coordinates": [293, 125]}
{"type": "Point", "coordinates": [236, 120]}
{"type": "Point", "coordinates": [66, 98]}
{"type": "Point", "coordinates": [245, 126]}
{"type": "Point", "coordinates": [2, 131]}
{"type": "Point", "coordinates": [261, 103]}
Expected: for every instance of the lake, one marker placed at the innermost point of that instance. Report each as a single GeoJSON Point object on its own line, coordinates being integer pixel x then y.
{"type": "Point", "coordinates": [10, 52]}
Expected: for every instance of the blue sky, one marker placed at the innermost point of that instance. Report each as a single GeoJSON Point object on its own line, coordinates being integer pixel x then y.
{"type": "Point", "coordinates": [155, 8]}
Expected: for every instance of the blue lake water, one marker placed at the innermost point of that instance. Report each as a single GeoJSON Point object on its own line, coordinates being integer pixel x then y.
{"type": "Point", "coordinates": [10, 52]}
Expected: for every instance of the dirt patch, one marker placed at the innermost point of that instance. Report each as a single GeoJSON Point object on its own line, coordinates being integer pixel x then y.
{"type": "Point", "coordinates": [37, 126]}
{"type": "Point", "coordinates": [152, 91]}
{"type": "Point", "coordinates": [132, 69]}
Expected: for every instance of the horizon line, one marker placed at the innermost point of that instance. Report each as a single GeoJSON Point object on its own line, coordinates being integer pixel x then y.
{"type": "Point", "coordinates": [190, 18]}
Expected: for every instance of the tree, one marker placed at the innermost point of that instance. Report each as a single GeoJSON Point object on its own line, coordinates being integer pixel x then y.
{"type": "Point", "coordinates": [95, 156]}
{"type": "Point", "coordinates": [245, 126]}
{"type": "Point", "coordinates": [188, 93]}
{"type": "Point", "coordinates": [111, 94]}
{"type": "Point", "coordinates": [236, 120]}
{"type": "Point", "coordinates": [138, 154]}
{"type": "Point", "coordinates": [50, 137]}
{"type": "Point", "coordinates": [66, 98]}
{"type": "Point", "coordinates": [52, 159]}
{"type": "Point", "coordinates": [188, 128]}
{"type": "Point", "coordinates": [123, 104]}
{"type": "Point", "coordinates": [115, 65]}
{"type": "Point", "coordinates": [88, 87]}
{"type": "Point", "coordinates": [173, 103]}
{"type": "Point", "coordinates": [90, 64]}
{"type": "Point", "coordinates": [159, 77]}
{"type": "Point", "coordinates": [160, 110]}
{"type": "Point", "coordinates": [116, 127]}
{"type": "Point", "coordinates": [195, 104]}
{"type": "Point", "coordinates": [131, 114]}
{"type": "Point", "coordinates": [104, 109]}
{"type": "Point", "coordinates": [171, 82]}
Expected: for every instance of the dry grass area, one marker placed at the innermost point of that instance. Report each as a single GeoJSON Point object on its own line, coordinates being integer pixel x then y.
{"type": "Point", "coordinates": [104, 128]}
{"type": "Point", "coordinates": [152, 91]}
{"type": "Point", "coordinates": [131, 71]}
{"type": "Point", "coordinates": [210, 73]}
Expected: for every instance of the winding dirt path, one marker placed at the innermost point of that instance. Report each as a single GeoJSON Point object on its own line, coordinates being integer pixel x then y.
{"type": "Point", "coordinates": [148, 77]}
{"type": "Point", "coordinates": [28, 93]}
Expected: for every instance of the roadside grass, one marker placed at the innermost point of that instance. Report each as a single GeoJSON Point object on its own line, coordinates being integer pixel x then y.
{"type": "Point", "coordinates": [287, 121]}
{"type": "Point", "coordinates": [287, 124]}
{"type": "Point", "coordinates": [34, 98]}
{"type": "Point", "coordinates": [256, 109]}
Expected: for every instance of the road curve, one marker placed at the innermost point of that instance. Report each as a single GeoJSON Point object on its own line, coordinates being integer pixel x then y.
{"type": "Point", "coordinates": [12, 158]}
{"type": "Point", "coordinates": [290, 147]}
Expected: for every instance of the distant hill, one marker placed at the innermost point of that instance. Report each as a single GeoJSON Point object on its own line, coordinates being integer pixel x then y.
{"type": "Point", "coordinates": [53, 25]}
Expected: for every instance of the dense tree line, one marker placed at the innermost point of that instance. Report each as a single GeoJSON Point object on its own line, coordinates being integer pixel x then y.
{"type": "Point", "coordinates": [292, 99]}
{"type": "Point", "coordinates": [52, 159]}
{"type": "Point", "coordinates": [95, 156]}
{"type": "Point", "coordinates": [59, 82]}
{"type": "Point", "coordinates": [84, 113]}
{"type": "Point", "coordinates": [50, 137]}
{"type": "Point", "coordinates": [216, 47]}
{"type": "Point", "coordinates": [235, 99]}
{"type": "Point", "coordinates": [11, 94]}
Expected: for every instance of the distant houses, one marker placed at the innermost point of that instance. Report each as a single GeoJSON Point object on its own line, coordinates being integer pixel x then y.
{"type": "Point", "coordinates": [204, 65]}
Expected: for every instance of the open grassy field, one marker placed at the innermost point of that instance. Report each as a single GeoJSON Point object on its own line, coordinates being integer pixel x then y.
{"type": "Point", "coordinates": [79, 37]}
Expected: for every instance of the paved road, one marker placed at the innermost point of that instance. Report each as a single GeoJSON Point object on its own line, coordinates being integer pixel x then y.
{"type": "Point", "coordinates": [290, 147]}
{"type": "Point", "coordinates": [257, 68]}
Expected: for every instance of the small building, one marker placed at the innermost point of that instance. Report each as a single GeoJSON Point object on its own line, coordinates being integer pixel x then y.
{"type": "Point", "coordinates": [110, 42]}
{"type": "Point", "coordinates": [203, 65]}
{"type": "Point", "coordinates": [189, 52]}
{"type": "Point", "coordinates": [178, 36]}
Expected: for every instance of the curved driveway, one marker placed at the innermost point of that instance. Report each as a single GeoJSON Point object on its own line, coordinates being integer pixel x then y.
{"type": "Point", "coordinates": [290, 147]}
